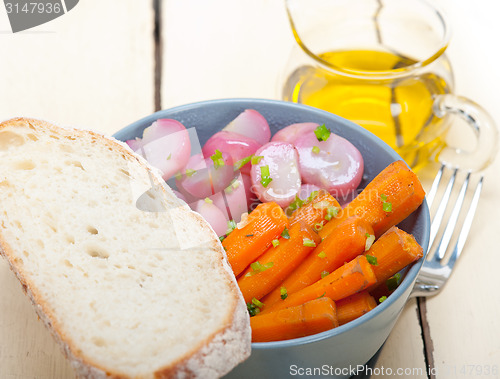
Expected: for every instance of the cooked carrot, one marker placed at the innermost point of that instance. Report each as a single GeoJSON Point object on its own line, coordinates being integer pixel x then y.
{"type": "Point", "coordinates": [277, 262]}
{"type": "Point", "coordinates": [264, 224]}
{"type": "Point", "coordinates": [386, 201]}
{"type": "Point", "coordinates": [346, 242]}
{"type": "Point", "coordinates": [352, 277]}
{"type": "Point", "coordinates": [354, 306]}
{"type": "Point", "coordinates": [393, 251]}
{"type": "Point", "coordinates": [309, 318]}
{"type": "Point", "coordinates": [317, 211]}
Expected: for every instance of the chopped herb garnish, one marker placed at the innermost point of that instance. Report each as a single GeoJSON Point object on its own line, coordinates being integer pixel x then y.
{"type": "Point", "coordinates": [295, 204]}
{"type": "Point", "coordinates": [239, 164]}
{"type": "Point", "coordinates": [258, 267]}
{"type": "Point", "coordinates": [190, 172]}
{"type": "Point", "coordinates": [169, 156]}
{"type": "Point", "coordinates": [321, 204]}
{"type": "Point", "coordinates": [265, 175]}
{"type": "Point", "coordinates": [331, 212]}
{"type": "Point", "coordinates": [235, 184]}
{"type": "Point", "coordinates": [254, 307]}
{"type": "Point", "coordinates": [231, 225]}
{"type": "Point", "coordinates": [208, 200]}
{"type": "Point", "coordinates": [285, 234]}
{"type": "Point", "coordinates": [393, 282]}
{"type": "Point", "coordinates": [275, 242]}
{"type": "Point", "coordinates": [370, 238]}
{"type": "Point", "coordinates": [319, 297]}
{"type": "Point", "coordinates": [371, 260]}
{"type": "Point", "coordinates": [283, 293]}
{"type": "Point", "coordinates": [383, 197]}
{"type": "Point", "coordinates": [256, 159]}
{"type": "Point", "coordinates": [324, 273]}
{"type": "Point", "coordinates": [322, 254]}
{"type": "Point", "coordinates": [315, 150]}
{"type": "Point", "coordinates": [308, 242]}
{"type": "Point", "coordinates": [318, 226]}
{"type": "Point", "coordinates": [217, 158]}
{"type": "Point", "coordinates": [382, 299]}
{"type": "Point", "coordinates": [312, 195]}
{"type": "Point", "coordinates": [221, 238]}
{"type": "Point", "coordinates": [249, 235]}
{"type": "Point", "coordinates": [322, 133]}
{"type": "Point", "coordinates": [387, 207]}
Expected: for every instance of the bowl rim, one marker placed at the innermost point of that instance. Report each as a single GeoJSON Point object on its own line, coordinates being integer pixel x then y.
{"type": "Point", "coordinates": [411, 274]}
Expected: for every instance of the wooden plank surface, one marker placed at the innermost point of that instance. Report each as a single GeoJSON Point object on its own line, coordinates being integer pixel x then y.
{"type": "Point", "coordinates": [463, 319]}
{"type": "Point", "coordinates": [93, 68]}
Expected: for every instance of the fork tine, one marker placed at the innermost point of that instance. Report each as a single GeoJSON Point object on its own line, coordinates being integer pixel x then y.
{"type": "Point", "coordinates": [464, 232]}
{"type": "Point", "coordinates": [450, 226]}
{"type": "Point", "coordinates": [438, 218]}
{"type": "Point", "coordinates": [435, 184]}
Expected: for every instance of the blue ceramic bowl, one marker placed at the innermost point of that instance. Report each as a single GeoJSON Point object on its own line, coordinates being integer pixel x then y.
{"type": "Point", "coordinates": [334, 353]}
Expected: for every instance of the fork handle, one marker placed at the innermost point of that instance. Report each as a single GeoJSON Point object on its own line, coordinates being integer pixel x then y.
{"type": "Point", "coordinates": [480, 123]}
{"type": "Point", "coordinates": [423, 288]}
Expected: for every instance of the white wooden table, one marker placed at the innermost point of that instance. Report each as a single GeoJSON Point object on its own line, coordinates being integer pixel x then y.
{"type": "Point", "coordinates": [99, 66]}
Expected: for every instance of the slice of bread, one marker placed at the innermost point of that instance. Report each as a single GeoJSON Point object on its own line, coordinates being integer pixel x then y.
{"type": "Point", "coordinates": [131, 282]}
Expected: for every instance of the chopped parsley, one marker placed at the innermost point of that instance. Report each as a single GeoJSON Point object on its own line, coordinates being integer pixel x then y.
{"type": "Point", "coordinates": [284, 293]}
{"type": "Point", "coordinates": [371, 260]}
{"type": "Point", "coordinates": [285, 234]}
{"type": "Point", "coordinates": [370, 238]}
{"type": "Point", "coordinates": [217, 158]}
{"type": "Point", "coordinates": [258, 267]}
{"type": "Point", "coordinates": [386, 206]}
{"type": "Point", "coordinates": [322, 254]}
{"type": "Point", "coordinates": [256, 159]}
{"type": "Point", "coordinates": [393, 282]}
{"type": "Point", "coordinates": [265, 177]}
{"type": "Point", "coordinates": [231, 225]}
{"type": "Point", "coordinates": [254, 307]}
{"type": "Point", "coordinates": [308, 242]}
{"type": "Point", "coordinates": [331, 212]}
{"type": "Point", "coordinates": [239, 164]}
{"type": "Point", "coordinates": [322, 133]}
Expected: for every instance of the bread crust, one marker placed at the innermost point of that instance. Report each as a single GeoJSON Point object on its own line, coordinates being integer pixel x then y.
{"type": "Point", "coordinates": [212, 358]}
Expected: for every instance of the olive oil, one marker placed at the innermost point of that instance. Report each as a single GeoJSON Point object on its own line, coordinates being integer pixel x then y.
{"type": "Point", "coordinates": [396, 109]}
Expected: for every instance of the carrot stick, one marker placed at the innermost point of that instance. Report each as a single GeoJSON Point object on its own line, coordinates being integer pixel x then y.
{"type": "Point", "coordinates": [352, 277]}
{"type": "Point", "coordinates": [264, 224]}
{"type": "Point", "coordinates": [315, 213]}
{"type": "Point", "coordinates": [342, 245]}
{"type": "Point", "coordinates": [386, 201]}
{"type": "Point", "coordinates": [393, 251]}
{"type": "Point", "coordinates": [309, 318]}
{"type": "Point", "coordinates": [354, 306]}
{"type": "Point", "coordinates": [277, 262]}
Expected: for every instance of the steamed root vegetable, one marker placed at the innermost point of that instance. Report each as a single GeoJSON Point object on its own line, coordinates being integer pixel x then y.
{"type": "Point", "coordinates": [393, 251]}
{"type": "Point", "coordinates": [386, 201]}
{"type": "Point", "coordinates": [235, 198]}
{"type": "Point", "coordinates": [275, 173]}
{"type": "Point", "coordinates": [329, 161]}
{"type": "Point", "coordinates": [212, 214]}
{"type": "Point", "coordinates": [277, 262]}
{"type": "Point", "coordinates": [248, 241]}
{"type": "Point", "coordinates": [317, 210]}
{"type": "Point", "coordinates": [347, 241]}
{"type": "Point", "coordinates": [251, 124]}
{"type": "Point", "coordinates": [291, 133]}
{"type": "Point", "coordinates": [204, 177]}
{"type": "Point", "coordinates": [238, 146]}
{"type": "Point", "coordinates": [165, 145]}
{"type": "Point", "coordinates": [347, 280]}
{"type": "Point", "coordinates": [354, 306]}
{"type": "Point", "coordinates": [312, 317]}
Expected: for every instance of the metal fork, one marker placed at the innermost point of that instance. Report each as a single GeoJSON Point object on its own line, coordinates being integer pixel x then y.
{"type": "Point", "coordinates": [434, 272]}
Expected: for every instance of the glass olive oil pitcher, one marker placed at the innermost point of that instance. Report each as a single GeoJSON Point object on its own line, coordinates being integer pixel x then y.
{"type": "Point", "coordinates": [381, 64]}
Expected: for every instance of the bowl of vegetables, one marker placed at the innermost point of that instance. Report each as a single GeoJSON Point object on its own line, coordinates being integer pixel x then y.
{"type": "Point", "coordinates": [323, 224]}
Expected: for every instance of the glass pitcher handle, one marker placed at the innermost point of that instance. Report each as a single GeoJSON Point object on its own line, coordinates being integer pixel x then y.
{"type": "Point", "coordinates": [482, 125]}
